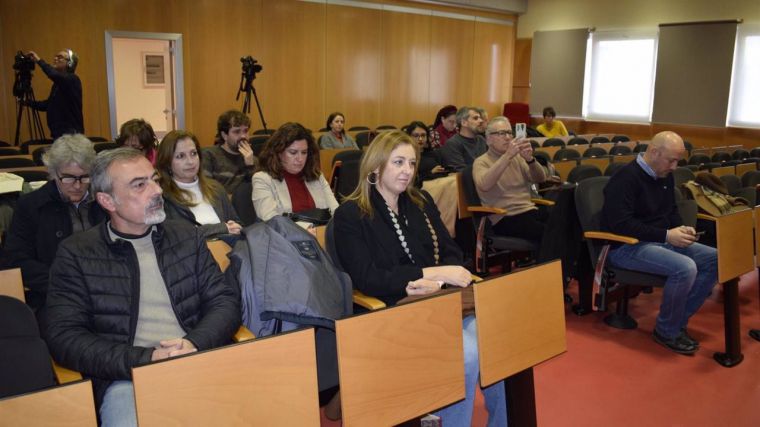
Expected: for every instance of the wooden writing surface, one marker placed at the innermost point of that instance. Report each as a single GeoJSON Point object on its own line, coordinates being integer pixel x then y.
{"type": "Point", "coordinates": [401, 362]}
{"type": "Point", "coordinates": [521, 320]}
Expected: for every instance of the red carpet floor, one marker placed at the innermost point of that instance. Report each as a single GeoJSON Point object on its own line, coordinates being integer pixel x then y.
{"type": "Point", "coordinates": [611, 377]}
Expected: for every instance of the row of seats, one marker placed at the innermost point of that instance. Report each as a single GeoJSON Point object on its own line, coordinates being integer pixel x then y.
{"type": "Point", "coordinates": [273, 381]}
{"type": "Point", "coordinates": [20, 160]}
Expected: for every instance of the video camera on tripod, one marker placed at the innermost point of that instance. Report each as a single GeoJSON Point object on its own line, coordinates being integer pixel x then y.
{"type": "Point", "coordinates": [23, 65]}
{"type": "Point", "coordinates": [250, 67]}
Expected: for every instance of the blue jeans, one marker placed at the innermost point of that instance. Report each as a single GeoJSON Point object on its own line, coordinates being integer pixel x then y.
{"type": "Point", "coordinates": [118, 407]}
{"type": "Point", "coordinates": [460, 414]}
{"type": "Point", "coordinates": [691, 271]}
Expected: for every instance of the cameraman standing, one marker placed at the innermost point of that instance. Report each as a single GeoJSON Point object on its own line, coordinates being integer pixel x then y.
{"type": "Point", "coordinates": [64, 105]}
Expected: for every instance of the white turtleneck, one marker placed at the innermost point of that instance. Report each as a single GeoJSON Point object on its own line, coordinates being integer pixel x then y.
{"type": "Point", "coordinates": [203, 211]}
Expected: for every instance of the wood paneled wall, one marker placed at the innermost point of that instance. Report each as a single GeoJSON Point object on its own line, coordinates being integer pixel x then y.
{"type": "Point", "coordinates": [376, 66]}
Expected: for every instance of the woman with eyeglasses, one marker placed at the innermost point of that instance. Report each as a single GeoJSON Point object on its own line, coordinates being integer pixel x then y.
{"type": "Point", "coordinates": [138, 134]}
{"type": "Point", "coordinates": [433, 177]}
{"type": "Point", "coordinates": [44, 217]}
{"type": "Point", "coordinates": [430, 161]}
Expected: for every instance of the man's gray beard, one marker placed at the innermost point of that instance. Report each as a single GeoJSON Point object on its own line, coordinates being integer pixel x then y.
{"type": "Point", "coordinates": [155, 217]}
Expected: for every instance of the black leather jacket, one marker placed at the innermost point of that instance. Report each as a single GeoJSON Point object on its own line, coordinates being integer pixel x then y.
{"type": "Point", "coordinates": [93, 300]}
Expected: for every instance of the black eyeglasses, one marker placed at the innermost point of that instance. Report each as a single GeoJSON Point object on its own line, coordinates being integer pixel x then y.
{"type": "Point", "coordinates": [502, 133]}
{"type": "Point", "coordinates": [419, 135]}
{"type": "Point", "coordinates": [69, 179]}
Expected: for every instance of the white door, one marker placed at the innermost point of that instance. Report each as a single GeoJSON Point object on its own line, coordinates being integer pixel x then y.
{"type": "Point", "coordinates": [143, 81]}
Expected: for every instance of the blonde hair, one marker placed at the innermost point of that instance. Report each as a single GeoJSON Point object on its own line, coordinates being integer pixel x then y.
{"type": "Point", "coordinates": [376, 157]}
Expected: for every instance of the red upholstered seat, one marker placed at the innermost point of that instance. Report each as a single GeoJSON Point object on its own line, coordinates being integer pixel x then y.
{"type": "Point", "coordinates": [517, 112]}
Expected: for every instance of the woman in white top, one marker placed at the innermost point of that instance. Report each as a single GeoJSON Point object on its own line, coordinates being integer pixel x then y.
{"type": "Point", "coordinates": [191, 196]}
{"type": "Point", "coordinates": [289, 179]}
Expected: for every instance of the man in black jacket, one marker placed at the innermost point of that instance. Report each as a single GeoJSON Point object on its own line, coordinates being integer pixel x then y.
{"type": "Point", "coordinates": [639, 201]}
{"type": "Point", "coordinates": [64, 105]}
{"type": "Point", "coordinates": [45, 217]}
{"type": "Point", "coordinates": [134, 289]}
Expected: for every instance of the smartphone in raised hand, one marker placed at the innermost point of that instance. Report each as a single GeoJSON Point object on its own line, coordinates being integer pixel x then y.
{"type": "Point", "coordinates": [520, 130]}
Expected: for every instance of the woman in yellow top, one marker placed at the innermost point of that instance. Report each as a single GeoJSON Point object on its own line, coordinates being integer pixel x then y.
{"type": "Point", "coordinates": [551, 128]}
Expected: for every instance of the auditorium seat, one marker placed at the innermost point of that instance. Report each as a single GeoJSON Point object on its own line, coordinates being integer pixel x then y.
{"type": "Point", "coordinates": [620, 138]}
{"type": "Point", "coordinates": [589, 200]}
{"type": "Point", "coordinates": [595, 152]}
{"type": "Point", "coordinates": [620, 150]}
{"type": "Point", "coordinates": [577, 141]}
{"type": "Point", "coordinates": [517, 112]}
{"type": "Point", "coordinates": [599, 140]}
{"type": "Point", "coordinates": [583, 172]}
{"type": "Point", "coordinates": [243, 204]}
{"type": "Point", "coordinates": [566, 154]}
{"type": "Point", "coordinates": [553, 142]}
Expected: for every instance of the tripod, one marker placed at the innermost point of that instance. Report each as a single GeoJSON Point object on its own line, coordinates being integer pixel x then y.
{"type": "Point", "coordinates": [24, 93]}
{"type": "Point", "coordinates": [246, 85]}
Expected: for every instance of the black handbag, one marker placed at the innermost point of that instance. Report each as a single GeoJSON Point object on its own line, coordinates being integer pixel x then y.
{"type": "Point", "coordinates": [315, 216]}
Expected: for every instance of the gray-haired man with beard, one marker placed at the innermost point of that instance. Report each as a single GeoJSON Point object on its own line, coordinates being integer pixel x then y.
{"type": "Point", "coordinates": [134, 289]}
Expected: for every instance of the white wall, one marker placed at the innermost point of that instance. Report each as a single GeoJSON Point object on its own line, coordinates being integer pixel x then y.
{"type": "Point", "coordinates": [547, 15]}
{"type": "Point", "coordinates": [133, 99]}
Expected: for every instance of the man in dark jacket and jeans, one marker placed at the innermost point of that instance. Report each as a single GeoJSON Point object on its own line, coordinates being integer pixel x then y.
{"type": "Point", "coordinates": [64, 104]}
{"type": "Point", "coordinates": [134, 289]}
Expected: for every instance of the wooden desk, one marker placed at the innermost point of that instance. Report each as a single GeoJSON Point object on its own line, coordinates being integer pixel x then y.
{"type": "Point", "coordinates": [11, 284]}
{"type": "Point", "coordinates": [550, 151]}
{"type": "Point", "coordinates": [723, 170]}
{"type": "Point", "coordinates": [266, 382]}
{"type": "Point", "coordinates": [735, 258]}
{"type": "Point", "coordinates": [606, 145]}
{"type": "Point", "coordinates": [401, 362]}
{"type": "Point", "coordinates": [624, 158]}
{"type": "Point", "coordinates": [600, 162]}
{"type": "Point", "coordinates": [18, 156]}
{"type": "Point", "coordinates": [219, 250]}
{"type": "Point", "coordinates": [564, 167]}
{"type": "Point", "coordinates": [506, 342]}
{"type": "Point", "coordinates": [26, 168]}
{"type": "Point", "coordinates": [67, 405]}
{"type": "Point", "coordinates": [743, 168]}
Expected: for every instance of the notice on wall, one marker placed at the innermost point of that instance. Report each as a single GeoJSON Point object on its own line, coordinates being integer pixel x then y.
{"type": "Point", "coordinates": [154, 69]}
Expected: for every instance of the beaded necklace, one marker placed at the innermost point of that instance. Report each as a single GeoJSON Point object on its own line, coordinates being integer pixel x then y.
{"type": "Point", "coordinates": [402, 238]}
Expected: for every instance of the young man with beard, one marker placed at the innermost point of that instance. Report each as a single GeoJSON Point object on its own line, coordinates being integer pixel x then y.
{"type": "Point", "coordinates": [231, 160]}
{"type": "Point", "coordinates": [134, 289]}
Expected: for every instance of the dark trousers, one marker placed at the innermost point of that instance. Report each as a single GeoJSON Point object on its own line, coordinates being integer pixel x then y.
{"type": "Point", "coordinates": [528, 225]}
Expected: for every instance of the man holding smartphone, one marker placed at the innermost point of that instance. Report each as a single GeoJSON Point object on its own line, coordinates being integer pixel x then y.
{"type": "Point", "coordinates": [503, 177]}
{"type": "Point", "coordinates": [639, 201]}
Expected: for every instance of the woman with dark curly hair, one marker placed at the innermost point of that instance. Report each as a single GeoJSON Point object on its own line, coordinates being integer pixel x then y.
{"type": "Point", "coordinates": [289, 179]}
